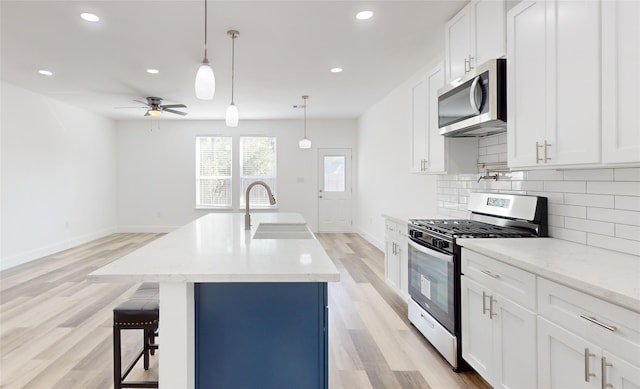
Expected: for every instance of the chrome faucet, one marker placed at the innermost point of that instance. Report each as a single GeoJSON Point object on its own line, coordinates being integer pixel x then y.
{"type": "Point", "coordinates": [272, 201]}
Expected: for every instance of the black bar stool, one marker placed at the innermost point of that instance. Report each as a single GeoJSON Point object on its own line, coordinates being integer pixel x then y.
{"type": "Point", "coordinates": [140, 312]}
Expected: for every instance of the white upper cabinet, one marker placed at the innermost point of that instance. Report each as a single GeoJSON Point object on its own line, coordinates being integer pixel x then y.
{"type": "Point", "coordinates": [620, 81]}
{"type": "Point", "coordinates": [475, 35]}
{"type": "Point", "coordinates": [430, 151]}
{"type": "Point", "coordinates": [554, 73]}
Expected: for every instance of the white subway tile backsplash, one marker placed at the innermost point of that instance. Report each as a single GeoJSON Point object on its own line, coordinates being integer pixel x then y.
{"type": "Point", "coordinates": [602, 228]}
{"type": "Point", "coordinates": [614, 216]}
{"type": "Point", "coordinates": [601, 201]}
{"type": "Point", "coordinates": [565, 186]}
{"type": "Point", "coordinates": [589, 175]}
{"type": "Point", "coordinates": [598, 207]}
{"type": "Point", "coordinates": [631, 203]}
{"type": "Point", "coordinates": [614, 188]}
{"type": "Point", "coordinates": [570, 235]}
{"type": "Point", "coordinates": [545, 175]}
{"type": "Point", "coordinates": [627, 174]}
{"type": "Point", "coordinates": [567, 210]}
{"type": "Point", "coordinates": [627, 232]}
{"type": "Point", "coordinates": [607, 242]}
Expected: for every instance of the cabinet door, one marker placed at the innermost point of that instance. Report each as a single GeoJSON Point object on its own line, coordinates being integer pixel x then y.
{"type": "Point", "coordinates": [566, 360]}
{"type": "Point", "coordinates": [620, 373]}
{"type": "Point", "coordinates": [487, 27]}
{"type": "Point", "coordinates": [514, 338]}
{"type": "Point", "coordinates": [419, 126]}
{"type": "Point", "coordinates": [527, 80]}
{"type": "Point", "coordinates": [457, 47]}
{"type": "Point", "coordinates": [392, 266]}
{"type": "Point", "coordinates": [436, 142]}
{"type": "Point", "coordinates": [620, 81]}
{"type": "Point", "coordinates": [573, 69]}
{"type": "Point", "coordinates": [403, 262]}
{"type": "Point", "coordinates": [477, 344]}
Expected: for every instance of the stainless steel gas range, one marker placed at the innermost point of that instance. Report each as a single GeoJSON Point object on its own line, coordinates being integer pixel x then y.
{"type": "Point", "coordinates": [434, 261]}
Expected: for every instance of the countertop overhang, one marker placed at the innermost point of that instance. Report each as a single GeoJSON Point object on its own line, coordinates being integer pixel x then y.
{"type": "Point", "coordinates": [217, 248]}
{"type": "Point", "coordinates": [606, 274]}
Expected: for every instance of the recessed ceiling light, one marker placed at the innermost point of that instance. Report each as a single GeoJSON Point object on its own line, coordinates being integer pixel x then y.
{"type": "Point", "coordinates": [45, 72]}
{"type": "Point", "coordinates": [89, 17]}
{"type": "Point", "coordinates": [153, 71]}
{"type": "Point", "coordinates": [364, 15]}
{"type": "Point", "coordinates": [336, 70]}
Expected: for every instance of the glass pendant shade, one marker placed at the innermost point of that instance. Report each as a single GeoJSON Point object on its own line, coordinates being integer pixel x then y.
{"type": "Point", "coordinates": [304, 143]}
{"type": "Point", "coordinates": [231, 119]}
{"type": "Point", "coordinates": [205, 82]}
{"type": "Point", "coordinates": [153, 112]}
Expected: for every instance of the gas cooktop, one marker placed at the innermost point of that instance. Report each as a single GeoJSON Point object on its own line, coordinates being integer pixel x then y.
{"type": "Point", "coordinates": [461, 228]}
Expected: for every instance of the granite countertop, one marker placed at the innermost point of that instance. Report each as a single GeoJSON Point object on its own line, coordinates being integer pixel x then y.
{"type": "Point", "coordinates": [216, 248]}
{"type": "Point", "coordinates": [606, 274]}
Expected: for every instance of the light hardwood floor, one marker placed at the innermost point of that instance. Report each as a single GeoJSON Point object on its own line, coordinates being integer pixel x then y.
{"type": "Point", "coordinates": [56, 327]}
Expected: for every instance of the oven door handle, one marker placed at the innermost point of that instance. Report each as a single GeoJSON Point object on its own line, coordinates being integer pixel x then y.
{"type": "Point", "coordinates": [433, 253]}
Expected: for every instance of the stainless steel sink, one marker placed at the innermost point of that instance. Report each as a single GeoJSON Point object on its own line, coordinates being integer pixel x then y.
{"type": "Point", "coordinates": [283, 231]}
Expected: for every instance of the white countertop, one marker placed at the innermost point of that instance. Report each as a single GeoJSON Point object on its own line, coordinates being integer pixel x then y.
{"type": "Point", "coordinates": [216, 248]}
{"type": "Point", "coordinates": [606, 274]}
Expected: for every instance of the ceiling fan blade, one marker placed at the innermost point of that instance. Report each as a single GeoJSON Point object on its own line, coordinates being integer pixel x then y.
{"type": "Point", "coordinates": [174, 111]}
{"type": "Point", "coordinates": [142, 102]}
{"type": "Point", "coordinates": [147, 114]}
{"type": "Point", "coordinates": [174, 106]}
{"type": "Point", "coordinates": [129, 107]}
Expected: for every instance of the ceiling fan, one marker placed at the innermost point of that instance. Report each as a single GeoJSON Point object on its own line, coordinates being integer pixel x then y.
{"type": "Point", "coordinates": [155, 107]}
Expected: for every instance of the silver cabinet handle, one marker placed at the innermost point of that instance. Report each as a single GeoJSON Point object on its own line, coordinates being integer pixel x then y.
{"type": "Point", "coordinates": [604, 366]}
{"type": "Point", "coordinates": [596, 321]}
{"type": "Point", "coordinates": [490, 274]}
{"type": "Point", "coordinates": [587, 373]}
{"type": "Point", "coordinates": [545, 151]}
{"type": "Point", "coordinates": [470, 59]}
{"type": "Point", "coordinates": [467, 65]}
{"type": "Point", "coordinates": [484, 304]}
{"type": "Point", "coordinates": [538, 159]}
{"type": "Point", "coordinates": [491, 314]}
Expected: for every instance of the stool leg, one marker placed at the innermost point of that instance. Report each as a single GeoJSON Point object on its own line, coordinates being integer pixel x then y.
{"type": "Point", "coordinates": [117, 362]}
{"type": "Point", "coordinates": [145, 340]}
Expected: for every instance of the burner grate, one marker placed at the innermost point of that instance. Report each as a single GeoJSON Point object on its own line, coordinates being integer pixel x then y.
{"type": "Point", "coordinates": [460, 228]}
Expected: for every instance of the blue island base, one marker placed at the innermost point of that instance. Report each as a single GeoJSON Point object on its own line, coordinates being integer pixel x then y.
{"type": "Point", "coordinates": [261, 335]}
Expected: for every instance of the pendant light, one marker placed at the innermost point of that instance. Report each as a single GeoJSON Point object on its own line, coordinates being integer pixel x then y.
{"type": "Point", "coordinates": [205, 80]}
{"type": "Point", "coordinates": [305, 143]}
{"type": "Point", "coordinates": [232, 112]}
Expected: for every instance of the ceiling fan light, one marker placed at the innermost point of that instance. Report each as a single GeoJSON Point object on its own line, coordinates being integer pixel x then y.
{"type": "Point", "coordinates": [304, 143]}
{"type": "Point", "coordinates": [231, 118]}
{"type": "Point", "coordinates": [153, 112]}
{"type": "Point", "coordinates": [205, 82]}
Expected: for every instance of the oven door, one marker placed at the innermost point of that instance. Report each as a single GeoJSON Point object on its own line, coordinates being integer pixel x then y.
{"type": "Point", "coordinates": [431, 282]}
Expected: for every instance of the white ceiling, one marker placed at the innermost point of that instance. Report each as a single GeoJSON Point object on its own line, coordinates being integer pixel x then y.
{"type": "Point", "coordinates": [285, 50]}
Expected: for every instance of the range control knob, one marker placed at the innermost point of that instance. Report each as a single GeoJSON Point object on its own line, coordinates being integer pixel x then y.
{"type": "Point", "coordinates": [415, 234]}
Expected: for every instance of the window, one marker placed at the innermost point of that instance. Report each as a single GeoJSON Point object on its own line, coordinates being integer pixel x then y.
{"type": "Point", "coordinates": [213, 171]}
{"type": "Point", "coordinates": [257, 163]}
{"type": "Point", "coordinates": [334, 178]}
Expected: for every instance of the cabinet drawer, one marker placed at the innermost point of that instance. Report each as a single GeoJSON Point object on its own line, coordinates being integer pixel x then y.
{"type": "Point", "coordinates": [609, 326]}
{"type": "Point", "coordinates": [516, 284]}
{"type": "Point", "coordinates": [391, 230]}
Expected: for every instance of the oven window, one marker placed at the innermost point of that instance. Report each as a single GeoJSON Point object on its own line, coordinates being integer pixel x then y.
{"type": "Point", "coordinates": [431, 283]}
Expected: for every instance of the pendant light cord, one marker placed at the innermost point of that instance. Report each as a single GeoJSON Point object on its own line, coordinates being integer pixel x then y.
{"type": "Point", "coordinates": [205, 60]}
{"type": "Point", "coordinates": [233, 56]}
{"type": "Point", "coordinates": [305, 116]}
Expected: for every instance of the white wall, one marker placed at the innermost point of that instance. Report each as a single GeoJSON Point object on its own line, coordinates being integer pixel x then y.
{"type": "Point", "coordinates": [156, 167]}
{"type": "Point", "coordinates": [58, 176]}
{"type": "Point", "coordinates": [384, 184]}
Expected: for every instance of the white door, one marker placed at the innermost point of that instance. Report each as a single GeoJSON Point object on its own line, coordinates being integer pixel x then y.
{"type": "Point", "coordinates": [334, 193]}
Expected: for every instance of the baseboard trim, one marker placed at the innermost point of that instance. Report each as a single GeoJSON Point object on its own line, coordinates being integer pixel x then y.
{"type": "Point", "coordinates": [28, 256]}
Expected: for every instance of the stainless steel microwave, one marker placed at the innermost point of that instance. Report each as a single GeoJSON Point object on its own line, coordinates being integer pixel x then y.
{"type": "Point", "coordinates": [475, 105]}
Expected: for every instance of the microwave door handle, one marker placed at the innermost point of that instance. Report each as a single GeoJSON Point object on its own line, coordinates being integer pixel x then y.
{"type": "Point", "coordinates": [472, 95]}
{"type": "Point", "coordinates": [433, 253]}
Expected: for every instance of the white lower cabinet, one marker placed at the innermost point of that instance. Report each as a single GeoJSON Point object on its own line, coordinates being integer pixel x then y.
{"type": "Point", "coordinates": [498, 334]}
{"type": "Point", "coordinates": [585, 342]}
{"type": "Point", "coordinates": [396, 264]}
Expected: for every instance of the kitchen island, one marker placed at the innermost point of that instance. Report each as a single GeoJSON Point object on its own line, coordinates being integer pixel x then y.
{"type": "Point", "coordinates": [235, 308]}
